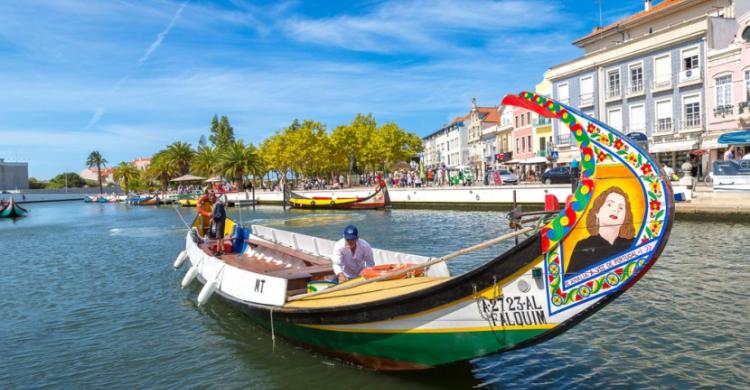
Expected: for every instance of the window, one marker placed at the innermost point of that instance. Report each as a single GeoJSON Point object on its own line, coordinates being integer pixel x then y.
{"type": "Point", "coordinates": [613, 83]}
{"type": "Point", "coordinates": [542, 144]}
{"type": "Point", "coordinates": [516, 121]}
{"type": "Point", "coordinates": [664, 116]}
{"type": "Point", "coordinates": [746, 34]}
{"type": "Point", "coordinates": [723, 95]}
{"type": "Point", "coordinates": [528, 118]}
{"type": "Point", "coordinates": [692, 109]}
{"type": "Point", "coordinates": [531, 149]}
{"type": "Point", "coordinates": [562, 93]}
{"type": "Point", "coordinates": [614, 118]}
{"type": "Point", "coordinates": [587, 91]}
{"type": "Point", "coordinates": [636, 78]}
{"type": "Point", "coordinates": [523, 143]}
{"type": "Point", "coordinates": [663, 71]}
{"type": "Point", "coordinates": [637, 118]}
{"type": "Point", "coordinates": [747, 84]}
{"type": "Point", "coordinates": [690, 58]}
{"type": "Point", "coordinates": [518, 149]}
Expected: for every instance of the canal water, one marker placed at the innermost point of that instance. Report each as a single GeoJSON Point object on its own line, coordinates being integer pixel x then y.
{"type": "Point", "coordinates": [90, 300]}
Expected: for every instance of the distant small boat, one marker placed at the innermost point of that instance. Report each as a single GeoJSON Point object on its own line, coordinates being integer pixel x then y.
{"type": "Point", "coordinates": [12, 210]}
{"type": "Point", "coordinates": [378, 200]}
{"type": "Point", "coordinates": [144, 201]}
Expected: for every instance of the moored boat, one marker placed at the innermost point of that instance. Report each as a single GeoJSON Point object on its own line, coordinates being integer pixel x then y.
{"type": "Point", "coordinates": [608, 235]}
{"type": "Point", "coordinates": [12, 210]}
{"type": "Point", "coordinates": [145, 201]}
{"type": "Point", "coordinates": [377, 200]}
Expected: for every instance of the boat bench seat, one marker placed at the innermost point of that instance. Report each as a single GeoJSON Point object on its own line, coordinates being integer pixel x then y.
{"type": "Point", "coordinates": [306, 257]}
{"type": "Point", "coordinates": [299, 277]}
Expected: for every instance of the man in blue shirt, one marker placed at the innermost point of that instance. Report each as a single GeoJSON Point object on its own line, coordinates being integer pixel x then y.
{"type": "Point", "coordinates": [219, 219]}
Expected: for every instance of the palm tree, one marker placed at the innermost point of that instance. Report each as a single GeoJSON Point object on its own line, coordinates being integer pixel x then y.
{"type": "Point", "coordinates": [161, 168]}
{"type": "Point", "coordinates": [95, 159]}
{"type": "Point", "coordinates": [126, 173]}
{"type": "Point", "coordinates": [237, 160]}
{"type": "Point", "coordinates": [204, 162]}
{"type": "Point", "coordinates": [179, 155]}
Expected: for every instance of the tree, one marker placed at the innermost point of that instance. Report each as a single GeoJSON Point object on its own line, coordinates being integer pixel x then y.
{"type": "Point", "coordinates": [222, 133]}
{"type": "Point", "coordinates": [95, 159]}
{"type": "Point", "coordinates": [126, 173]}
{"type": "Point", "coordinates": [391, 144]}
{"type": "Point", "coordinates": [204, 161]}
{"type": "Point", "coordinates": [237, 160]}
{"type": "Point", "coordinates": [35, 184]}
{"type": "Point", "coordinates": [70, 178]}
{"type": "Point", "coordinates": [179, 156]}
{"type": "Point", "coordinates": [161, 168]}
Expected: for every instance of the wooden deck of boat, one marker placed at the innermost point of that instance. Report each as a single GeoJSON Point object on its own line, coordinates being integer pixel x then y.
{"type": "Point", "coordinates": [366, 293]}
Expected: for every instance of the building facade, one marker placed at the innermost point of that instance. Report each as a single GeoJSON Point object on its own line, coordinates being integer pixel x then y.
{"type": "Point", "coordinates": [447, 147]}
{"type": "Point", "coordinates": [727, 84]}
{"type": "Point", "coordinates": [481, 126]}
{"type": "Point", "coordinates": [645, 74]}
{"type": "Point", "coordinates": [14, 175]}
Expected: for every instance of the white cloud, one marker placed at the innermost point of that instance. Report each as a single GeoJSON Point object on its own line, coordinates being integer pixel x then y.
{"type": "Point", "coordinates": [160, 37]}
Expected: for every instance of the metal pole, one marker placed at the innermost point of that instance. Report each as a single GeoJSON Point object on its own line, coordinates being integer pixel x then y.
{"type": "Point", "coordinates": [253, 188]}
{"type": "Point", "coordinates": [515, 226]}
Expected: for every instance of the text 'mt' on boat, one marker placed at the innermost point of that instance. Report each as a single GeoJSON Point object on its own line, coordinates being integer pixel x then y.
{"type": "Point", "coordinates": [608, 235]}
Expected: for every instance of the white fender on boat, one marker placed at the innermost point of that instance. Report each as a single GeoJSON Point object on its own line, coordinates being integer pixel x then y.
{"type": "Point", "coordinates": [207, 290]}
{"type": "Point", "coordinates": [190, 275]}
{"type": "Point", "coordinates": [180, 259]}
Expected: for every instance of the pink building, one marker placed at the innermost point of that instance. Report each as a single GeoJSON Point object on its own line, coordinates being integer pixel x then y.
{"type": "Point", "coordinates": [727, 87]}
{"type": "Point", "coordinates": [523, 135]}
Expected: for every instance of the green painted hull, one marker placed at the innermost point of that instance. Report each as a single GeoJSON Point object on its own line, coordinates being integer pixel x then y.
{"type": "Point", "coordinates": [12, 212]}
{"type": "Point", "coordinates": [405, 350]}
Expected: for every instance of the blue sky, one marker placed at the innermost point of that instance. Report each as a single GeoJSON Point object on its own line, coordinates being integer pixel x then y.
{"type": "Point", "coordinates": [129, 77]}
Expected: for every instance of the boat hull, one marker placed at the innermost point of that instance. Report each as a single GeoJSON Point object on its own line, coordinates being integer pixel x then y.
{"type": "Point", "coordinates": [378, 200]}
{"type": "Point", "coordinates": [12, 210]}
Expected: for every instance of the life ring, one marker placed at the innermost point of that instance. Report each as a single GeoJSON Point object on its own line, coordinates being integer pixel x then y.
{"type": "Point", "coordinates": [379, 270]}
{"type": "Point", "coordinates": [333, 203]}
{"type": "Point", "coordinates": [312, 203]}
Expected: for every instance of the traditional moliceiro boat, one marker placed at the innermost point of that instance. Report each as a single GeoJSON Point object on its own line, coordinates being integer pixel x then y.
{"type": "Point", "coordinates": [608, 235]}
{"type": "Point", "coordinates": [12, 210]}
{"type": "Point", "coordinates": [377, 200]}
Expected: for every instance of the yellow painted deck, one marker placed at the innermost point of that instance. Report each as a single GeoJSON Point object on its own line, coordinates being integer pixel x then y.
{"type": "Point", "coordinates": [366, 293]}
{"type": "Point", "coordinates": [322, 202]}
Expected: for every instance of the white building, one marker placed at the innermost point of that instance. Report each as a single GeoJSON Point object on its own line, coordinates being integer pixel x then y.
{"type": "Point", "coordinates": [447, 146]}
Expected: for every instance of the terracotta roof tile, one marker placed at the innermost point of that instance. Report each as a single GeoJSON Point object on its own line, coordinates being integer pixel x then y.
{"type": "Point", "coordinates": [664, 4]}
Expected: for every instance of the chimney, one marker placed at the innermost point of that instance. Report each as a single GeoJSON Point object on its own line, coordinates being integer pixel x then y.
{"type": "Point", "coordinates": [647, 5]}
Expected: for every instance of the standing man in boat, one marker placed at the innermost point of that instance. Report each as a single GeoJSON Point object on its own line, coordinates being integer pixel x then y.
{"type": "Point", "coordinates": [204, 208]}
{"type": "Point", "coordinates": [351, 255]}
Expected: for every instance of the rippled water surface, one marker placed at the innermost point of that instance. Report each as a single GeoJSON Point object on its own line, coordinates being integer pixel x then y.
{"type": "Point", "coordinates": [90, 300]}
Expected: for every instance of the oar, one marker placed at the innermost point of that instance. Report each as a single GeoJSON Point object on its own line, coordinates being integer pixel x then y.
{"type": "Point", "coordinates": [447, 257]}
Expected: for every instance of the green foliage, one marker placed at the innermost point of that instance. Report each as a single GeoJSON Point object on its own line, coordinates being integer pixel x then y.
{"type": "Point", "coordinates": [204, 162]}
{"type": "Point", "coordinates": [35, 184]}
{"type": "Point", "coordinates": [179, 156]}
{"type": "Point", "coordinates": [222, 133]}
{"type": "Point", "coordinates": [73, 180]}
{"type": "Point", "coordinates": [126, 174]}
{"type": "Point", "coordinates": [96, 160]}
{"type": "Point", "coordinates": [236, 160]}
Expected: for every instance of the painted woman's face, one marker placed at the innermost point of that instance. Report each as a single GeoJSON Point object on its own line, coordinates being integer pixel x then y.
{"type": "Point", "coordinates": [612, 212]}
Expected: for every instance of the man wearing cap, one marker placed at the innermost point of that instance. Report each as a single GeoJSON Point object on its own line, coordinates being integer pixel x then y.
{"type": "Point", "coordinates": [351, 255]}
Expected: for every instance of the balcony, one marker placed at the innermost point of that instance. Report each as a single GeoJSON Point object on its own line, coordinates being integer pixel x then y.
{"type": "Point", "coordinates": [692, 123]}
{"type": "Point", "coordinates": [662, 83]}
{"type": "Point", "coordinates": [564, 139]}
{"type": "Point", "coordinates": [723, 110]}
{"type": "Point", "coordinates": [586, 99]}
{"type": "Point", "coordinates": [664, 126]}
{"type": "Point", "coordinates": [614, 94]}
{"type": "Point", "coordinates": [743, 109]}
{"type": "Point", "coordinates": [541, 121]}
{"type": "Point", "coordinates": [690, 76]}
{"type": "Point", "coordinates": [636, 128]}
{"type": "Point", "coordinates": [636, 88]}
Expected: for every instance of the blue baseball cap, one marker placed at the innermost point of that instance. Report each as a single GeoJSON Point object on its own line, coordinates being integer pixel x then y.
{"type": "Point", "coordinates": [351, 233]}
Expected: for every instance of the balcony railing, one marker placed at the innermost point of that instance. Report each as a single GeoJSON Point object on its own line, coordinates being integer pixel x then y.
{"type": "Point", "coordinates": [564, 139]}
{"type": "Point", "coordinates": [564, 100]}
{"type": "Point", "coordinates": [691, 122]}
{"type": "Point", "coordinates": [613, 93]}
{"type": "Point", "coordinates": [586, 99]}
{"type": "Point", "coordinates": [635, 88]}
{"type": "Point", "coordinates": [662, 82]}
{"type": "Point", "coordinates": [724, 110]}
{"type": "Point", "coordinates": [541, 122]}
{"type": "Point", "coordinates": [664, 125]}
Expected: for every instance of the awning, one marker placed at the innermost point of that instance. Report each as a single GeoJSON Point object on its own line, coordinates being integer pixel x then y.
{"type": "Point", "coordinates": [514, 161]}
{"type": "Point", "coordinates": [534, 160]}
{"type": "Point", "coordinates": [215, 179]}
{"type": "Point", "coordinates": [711, 141]}
{"type": "Point", "coordinates": [188, 178]}
{"type": "Point", "coordinates": [673, 146]}
{"type": "Point", "coordinates": [735, 138]}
